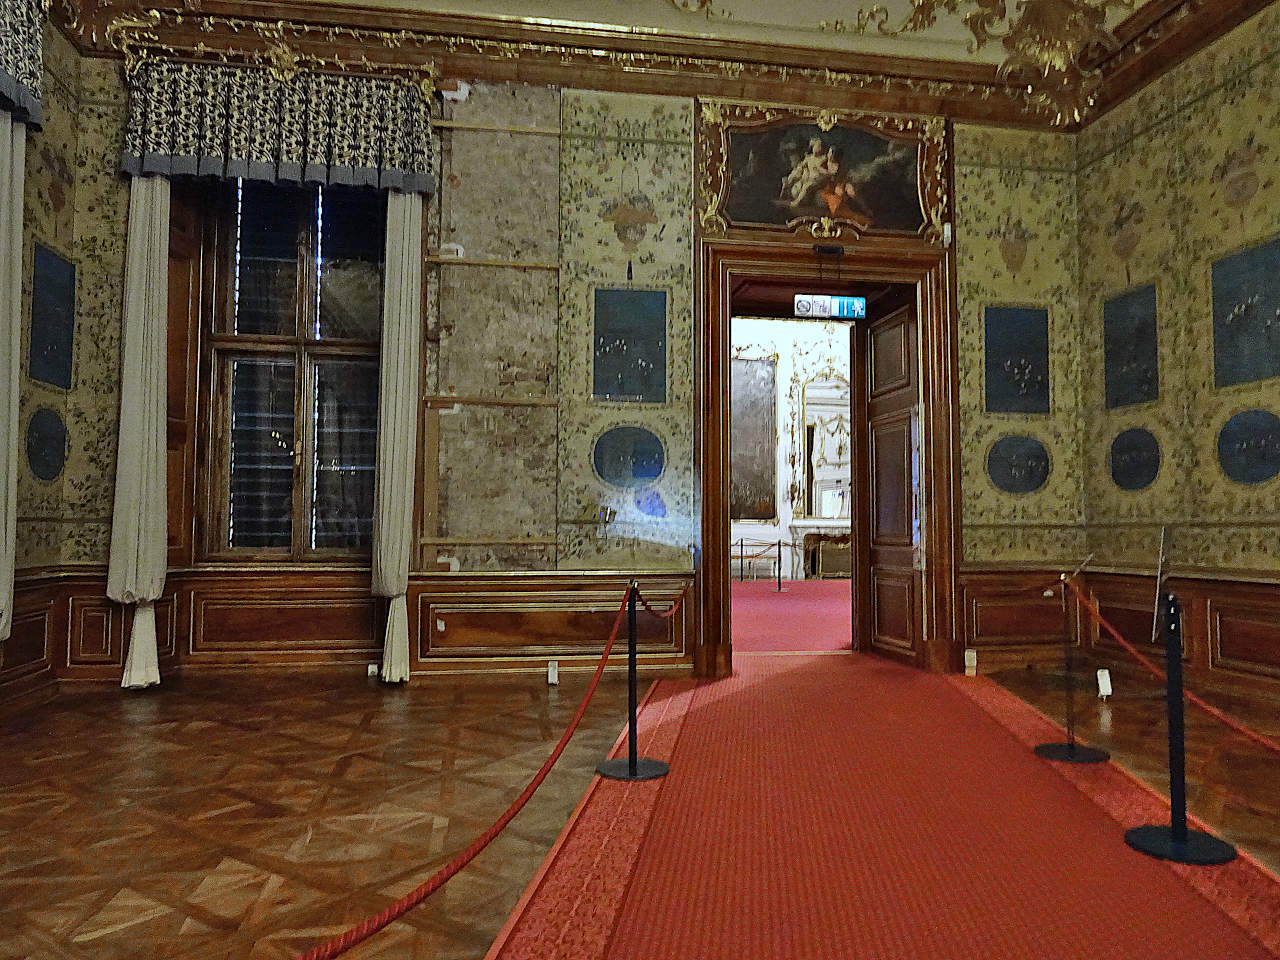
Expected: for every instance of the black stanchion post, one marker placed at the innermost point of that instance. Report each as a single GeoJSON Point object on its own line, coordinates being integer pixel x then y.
{"type": "Point", "coordinates": [1175, 842]}
{"type": "Point", "coordinates": [1069, 752]}
{"type": "Point", "coordinates": [779, 566]}
{"type": "Point", "coordinates": [632, 766]}
{"type": "Point", "coordinates": [742, 559]}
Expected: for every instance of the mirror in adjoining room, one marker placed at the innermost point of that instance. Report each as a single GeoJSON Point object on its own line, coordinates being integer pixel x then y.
{"type": "Point", "coordinates": [827, 446]}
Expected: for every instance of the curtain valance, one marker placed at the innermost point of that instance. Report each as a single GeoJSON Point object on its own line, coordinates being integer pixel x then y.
{"type": "Point", "coordinates": [201, 119]}
{"type": "Point", "coordinates": [21, 67]}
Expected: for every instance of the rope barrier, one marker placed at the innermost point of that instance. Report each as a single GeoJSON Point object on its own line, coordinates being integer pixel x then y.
{"type": "Point", "coordinates": [1213, 711]}
{"type": "Point", "coordinates": [668, 614]}
{"type": "Point", "coordinates": [364, 930]}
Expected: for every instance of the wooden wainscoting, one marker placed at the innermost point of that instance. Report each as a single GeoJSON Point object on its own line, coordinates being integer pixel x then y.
{"type": "Point", "coordinates": [457, 621]}
{"type": "Point", "coordinates": [1009, 621]}
{"type": "Point", "coordinates": [504, 622]}
{"type": "Point", "coordinates": [66, 630]}
{"type": "Point", "coordinates": [1230, 629]}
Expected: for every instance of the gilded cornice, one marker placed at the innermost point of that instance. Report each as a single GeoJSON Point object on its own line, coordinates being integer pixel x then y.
{"type": "Point", "coordinates": [470, 47]}
{"type": "Point", "coordinates": [289, 45]}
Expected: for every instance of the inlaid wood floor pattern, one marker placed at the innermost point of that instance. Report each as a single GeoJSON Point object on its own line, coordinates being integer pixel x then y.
{"type": "Point", "coordinates": [251, 816]}
{"type": "Point", "coordinates": [1232, 784]}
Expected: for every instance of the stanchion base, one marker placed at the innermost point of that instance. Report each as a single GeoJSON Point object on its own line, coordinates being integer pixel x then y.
{"type": "Point", "coordinates": [1071, 753]}
{"type": "Point", "coordinates": [619, 768]}
{"type": "Point", "coordinates": [1199, 848]}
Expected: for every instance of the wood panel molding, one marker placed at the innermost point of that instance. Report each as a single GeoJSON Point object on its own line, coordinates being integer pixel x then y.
{"type": "Point", "coordinates": [930, 269]}
{"type": "Point", "coordinates": [1231, 628]}
{"type": "Point", "coordinates": [893, 603]}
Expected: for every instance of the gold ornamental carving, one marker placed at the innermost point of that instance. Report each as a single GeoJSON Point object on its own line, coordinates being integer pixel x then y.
{"type": "Point", "coordinates": [1046, 44]}
{"type": "Point", "coordinates": [284, 45]}
{"type": "Point", "coordinates": [924, 138]}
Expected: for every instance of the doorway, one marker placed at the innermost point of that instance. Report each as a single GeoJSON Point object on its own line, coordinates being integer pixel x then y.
{"type": "Point", "coordinates": [904, 594]}
{"type": "Point", "coordinates": [824, 477]}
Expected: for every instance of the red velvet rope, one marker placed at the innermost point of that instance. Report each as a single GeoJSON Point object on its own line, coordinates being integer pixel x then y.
{"type": "Point", "coordinates": [1213, 711]}
{"type": "Point", "coordinates": [667, 615]}
{"type": "Point", "coordinates": [364, 930]}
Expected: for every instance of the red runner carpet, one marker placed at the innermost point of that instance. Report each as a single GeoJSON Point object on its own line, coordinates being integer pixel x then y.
{"type": "Point", "coordinates": [828, 807]}
{"type": "Point", "coordinates": [809, 615]}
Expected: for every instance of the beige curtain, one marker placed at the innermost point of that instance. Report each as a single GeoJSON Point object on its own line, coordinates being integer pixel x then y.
{"type": "Point", "coordinates": [139, 539]}
{"type": "Point", "coordinates": [398, 425]}
{"type": "Point", "coordinates": [13, 148]}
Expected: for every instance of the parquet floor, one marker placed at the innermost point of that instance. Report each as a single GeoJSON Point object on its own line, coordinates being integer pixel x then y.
{"type": "Point", "coordinates": [1232, 784]}
{"type": "Point", "coordinates": [250, 816]}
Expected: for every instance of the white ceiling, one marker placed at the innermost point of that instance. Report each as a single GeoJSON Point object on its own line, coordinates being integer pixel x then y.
{"type": "Point", "coordinates": [814, 24]}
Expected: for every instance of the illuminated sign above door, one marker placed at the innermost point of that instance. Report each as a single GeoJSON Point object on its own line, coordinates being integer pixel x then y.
{"type": "Point", "coordinates": [821, 305]}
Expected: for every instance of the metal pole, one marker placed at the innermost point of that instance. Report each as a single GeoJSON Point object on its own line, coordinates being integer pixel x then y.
{"type": "Point", "coordinates": [1177, 731]}
{"type": "Point", "coordinates": [631, 683]}
{"type": "Point", "coordinates": [633, 766]}
{"type": "Point", "coordinates": [1175, 842]}
{"type": "Point", "coordinates": [779, 566]}
{"type": "Point", "coordinates": [742, 559]}
{"type": "Point", "coordinates": [1069, 752]}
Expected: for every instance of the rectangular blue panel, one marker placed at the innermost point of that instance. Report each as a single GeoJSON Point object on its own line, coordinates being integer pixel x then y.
{"type": "Point", "coordinates": [1246, 315]}
{"type": "Point", "coordinates": [852, 307]}
{"type": "Point", "coordinates": [53, 319]}
{"type": "Point", "coordinates": [630, 346]}
{"type": "Point", "coordinates": [1017, 359]}
{"type": "Point", "coordinates": [1131, 364]}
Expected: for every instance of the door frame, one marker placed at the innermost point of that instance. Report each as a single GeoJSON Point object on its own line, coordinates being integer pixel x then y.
{"type": "Point", "coordinates": [931, 270]}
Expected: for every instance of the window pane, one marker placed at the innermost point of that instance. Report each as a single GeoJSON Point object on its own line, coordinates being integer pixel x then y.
{"type": "Point", "coordinates": [268, 217]}
{"type": "Point", "coordinates": [346, 418]}
{"type": "Point", "coordinates": [349, 260]}
{"type": "Point", "coordinates": [261, 453]}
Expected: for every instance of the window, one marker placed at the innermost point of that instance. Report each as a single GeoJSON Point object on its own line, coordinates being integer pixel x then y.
{"type": "Point", "coordinates": [293, 355]}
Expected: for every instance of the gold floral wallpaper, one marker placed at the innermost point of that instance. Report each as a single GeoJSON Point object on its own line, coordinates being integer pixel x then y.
{"type": "Point", "coordinates": [602, 200]}
{"type": "Point", "coordinates": [1016, 228]}
{"type": "Point", "coordinates": [76, 204]}
{"type": "Point", "coordinates": [1173, 180]}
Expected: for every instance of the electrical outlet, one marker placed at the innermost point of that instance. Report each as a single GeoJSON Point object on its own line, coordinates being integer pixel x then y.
{"type": "Point", "coordinates": [373, 669]}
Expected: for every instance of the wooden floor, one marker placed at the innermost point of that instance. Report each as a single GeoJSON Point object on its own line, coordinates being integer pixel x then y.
{"type": "Point", "coordinates": [251, 816]}
{"type": "Point", "coordinates": [1232, 784]}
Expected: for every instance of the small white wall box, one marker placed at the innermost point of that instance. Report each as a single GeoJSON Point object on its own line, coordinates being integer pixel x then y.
{"type": "Point", "coordinates": [553, 672]}
{"type": "Point", "coordinates": [970, 662]}
{"type": "Point", "coordinates": [1104, 684]}
{"type": "Point", "coordinates": [452, 250]}
{"type": "Point", "coordinates": [373, 669]}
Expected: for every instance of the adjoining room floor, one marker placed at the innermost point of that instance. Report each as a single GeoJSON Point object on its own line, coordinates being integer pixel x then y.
{"type": "Point", "coordinates": [811, 616]}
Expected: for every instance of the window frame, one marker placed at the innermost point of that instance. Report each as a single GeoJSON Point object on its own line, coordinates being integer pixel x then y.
{"type": "Point", "coordinates": [219, 347]}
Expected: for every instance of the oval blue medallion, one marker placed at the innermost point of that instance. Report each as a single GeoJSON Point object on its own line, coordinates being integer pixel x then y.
{"type": "Point", "coordinates": [1018, 464]}
{"type": "Point", "coordinates": [1249, 446]}
{"type": "Point", "coordinates": [628, 457]}
{"type": "Point", "coordinates": [46, 444]}
{"type": "Point", "coordinates": [1135, 459]}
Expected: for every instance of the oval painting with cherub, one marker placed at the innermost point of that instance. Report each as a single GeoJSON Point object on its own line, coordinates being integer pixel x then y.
{"type": "Point", "coordinates": [784, 174]}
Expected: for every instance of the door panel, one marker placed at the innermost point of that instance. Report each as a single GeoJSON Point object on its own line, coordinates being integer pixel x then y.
{"type": "Point", "coordinates": [892, 399]}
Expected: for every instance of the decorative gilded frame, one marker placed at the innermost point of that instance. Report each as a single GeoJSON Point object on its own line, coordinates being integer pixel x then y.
{"type": "Point", "coordinates": [715, 119]}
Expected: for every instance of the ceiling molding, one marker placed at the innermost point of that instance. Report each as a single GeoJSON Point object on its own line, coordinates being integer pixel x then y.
{"type": "Point", "coordinates": [1158, 36]}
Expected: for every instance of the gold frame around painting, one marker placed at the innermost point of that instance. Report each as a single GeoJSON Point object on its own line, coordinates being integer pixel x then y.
{"type": "Point", "coordinates": [715, 120]}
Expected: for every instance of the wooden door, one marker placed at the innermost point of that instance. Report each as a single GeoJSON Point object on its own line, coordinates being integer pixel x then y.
{"type": "Point", "coordinates": [891, 588]}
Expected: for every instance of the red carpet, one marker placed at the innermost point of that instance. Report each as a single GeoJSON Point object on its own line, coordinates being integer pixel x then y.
{"type": "Point", "coordinates": [832, 807]}
{"type": "Point", "coordinates": [810, 615]}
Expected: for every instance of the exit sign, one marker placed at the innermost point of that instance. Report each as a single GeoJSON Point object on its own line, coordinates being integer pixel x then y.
{"type": "Point", "coordinates": [820, 305]}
